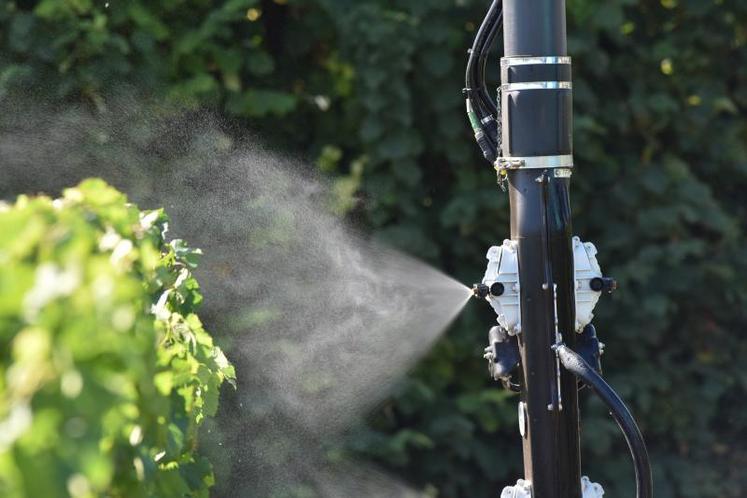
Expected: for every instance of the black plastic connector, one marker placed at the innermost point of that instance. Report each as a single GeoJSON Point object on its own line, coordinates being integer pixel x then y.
{"type": "Point", "coordinates": [603, 284]}
{"type": "Point", "coordinates": [589, 348]}
{"type": "Point", "coordinates": [497, 289]}
{"type": "Point", "coordinates": [480, 290]}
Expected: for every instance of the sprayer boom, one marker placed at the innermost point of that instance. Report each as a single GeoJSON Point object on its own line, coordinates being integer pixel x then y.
{"type": "Point", "coordinates": [543, 283]}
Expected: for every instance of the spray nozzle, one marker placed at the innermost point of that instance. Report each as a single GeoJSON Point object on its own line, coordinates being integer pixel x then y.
{"type": "Point", "coordinates": [480, 291]}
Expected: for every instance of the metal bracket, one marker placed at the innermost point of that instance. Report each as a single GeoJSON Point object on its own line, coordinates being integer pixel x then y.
{"type": "Point", "coordinates": [558, 398]}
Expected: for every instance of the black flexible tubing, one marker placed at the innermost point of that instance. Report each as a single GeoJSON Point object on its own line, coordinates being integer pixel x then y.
{"type": "Point", "coordinates": [482, 35]}
{"type": "Point", "coordinates": [476, 92]}
{"type": "Point", "coordinates": [578, 366]}
{"type": "Point", "coordinates": [485, 98]}
{"type": "Point", "coordinates": [475, 77]}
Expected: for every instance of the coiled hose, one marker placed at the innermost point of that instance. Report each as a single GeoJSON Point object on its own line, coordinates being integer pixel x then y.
{"type": "Point", "coordinates": [578, 366]}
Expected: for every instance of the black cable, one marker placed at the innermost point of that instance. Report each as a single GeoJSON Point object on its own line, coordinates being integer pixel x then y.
{"type": "Point", "coordinates": [480, 107]}
{"type": "Point", "coordinates": [578, 366]}
{"type": "Point", "coordinates": [482, 60]}
{"type": "Point", "coordinates": [493, 107]}
{"type": "Point", "coordinates": [485, 35]}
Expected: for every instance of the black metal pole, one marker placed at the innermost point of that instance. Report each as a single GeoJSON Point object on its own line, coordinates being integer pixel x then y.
{"type": "Point", "coordinates": [536, 103]}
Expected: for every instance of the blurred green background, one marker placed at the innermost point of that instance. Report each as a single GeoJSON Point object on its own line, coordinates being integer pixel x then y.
{"type": "Point", "coordinates": [369, 92]}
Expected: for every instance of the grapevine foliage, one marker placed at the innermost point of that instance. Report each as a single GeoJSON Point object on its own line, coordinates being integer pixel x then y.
{"type": "Point", "coordinates": [106, 372]}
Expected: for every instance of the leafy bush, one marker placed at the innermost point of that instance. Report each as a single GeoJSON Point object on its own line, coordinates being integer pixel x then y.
{"type": "Point", "coordinates": [106, 372]}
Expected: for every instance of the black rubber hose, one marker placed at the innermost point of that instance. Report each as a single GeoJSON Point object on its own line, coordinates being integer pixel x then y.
{"type": "Point", "coordinates": [577, 366]}
{"type": "Point", "coordinates": [485, 34]}
{"type": "Point", "coordinates": [482, 60]}
{"type": "Point", "coordinates": [491, 123]}
{"type": "Point", "coordinates": [478, 101]}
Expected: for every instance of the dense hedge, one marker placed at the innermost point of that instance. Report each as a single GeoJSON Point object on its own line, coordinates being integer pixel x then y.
{"type": "Point", "coordinates": [371, 89]}
{"type": "Point", "coordinates": [106, 372]}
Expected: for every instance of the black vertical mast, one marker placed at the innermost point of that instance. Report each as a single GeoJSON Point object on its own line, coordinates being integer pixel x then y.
{"type": "Point", "coordinates": [537, 147]}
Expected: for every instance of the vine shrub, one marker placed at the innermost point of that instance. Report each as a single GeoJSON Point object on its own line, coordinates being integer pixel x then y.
{"type": "Point", "coordinates": [106, 372]}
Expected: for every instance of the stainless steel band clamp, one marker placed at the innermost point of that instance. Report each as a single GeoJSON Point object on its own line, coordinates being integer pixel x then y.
{"type": "Point", "coordinates": [531, 61]}
{"type": "Point", "coordinates": [551, 74]}
{"type": "Point", "coordinates": [537, 85]}
{"type": "Point", "coordinates": [534, 162]}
